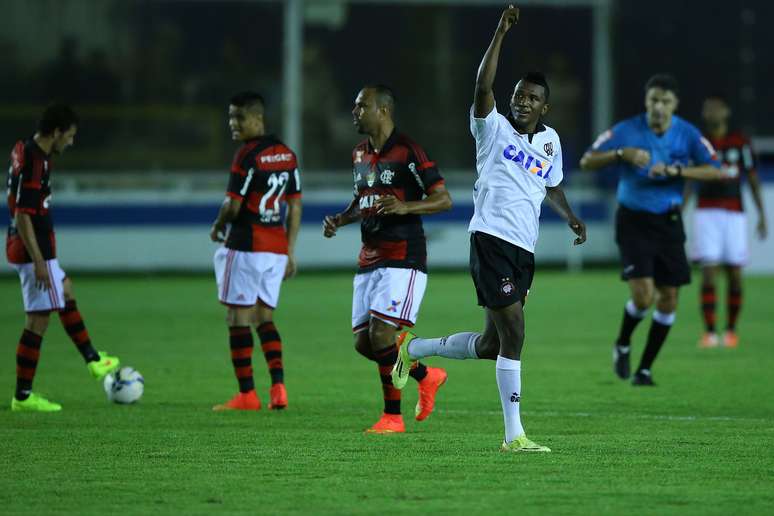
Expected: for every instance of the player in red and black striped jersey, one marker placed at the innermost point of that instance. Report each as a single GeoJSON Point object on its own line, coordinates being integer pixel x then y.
{"type": "Point", "coordinates": [395, 183]}
{"type": "Point", "coordinates": [29, 192]}
{"type": "Point", "coordinates": [720, 226]}
{"type": "Point", "coordinates": [31, 250]}
{"type": "Point", "coordinates": [402, 171]}
{"type": "Point", "coordinates": [258, 249]}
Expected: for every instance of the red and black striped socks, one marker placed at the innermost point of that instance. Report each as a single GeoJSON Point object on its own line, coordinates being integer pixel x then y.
{"type": "Point", "coordinates": [27, 355]}
{"type": "Point", "coordinates": [734, 307]}
{"type": "Point", "coordinates": [386, 358]}
{"type": "Point", "coordinates": [73, 325]}
{"type": "Point", "coordinates": [271, 344]}
{"type": "Point", "coordinates": [708, 306]}
{"type": "Point", "coordinates": [418, 372]}
{"type": "Point", "coordinates": [241, 341]}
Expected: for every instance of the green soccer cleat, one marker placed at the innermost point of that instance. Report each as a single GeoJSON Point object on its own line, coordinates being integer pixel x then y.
{"type": "Point", "coordinates": [99, 369]}
{"type": "Point", "coordinates": [522, 444]}
{"type": "Point", "coordinates": [400, 371]}
{"type": "Point", "coordinates": [34, 403]}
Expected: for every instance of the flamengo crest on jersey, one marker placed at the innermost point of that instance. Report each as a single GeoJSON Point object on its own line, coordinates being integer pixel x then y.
{"type": "Point", "coordinates": [401, 168]}
{"type": "Point", "coordinates": [513, 174]}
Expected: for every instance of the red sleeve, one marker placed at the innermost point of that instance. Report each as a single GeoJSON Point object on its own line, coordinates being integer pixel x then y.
{"type": "Point", "coordinates": [30, 172]}
{"type": "Point", "coordinates": [294, 184]}
{"type": "Point", "coordinates": [425, 169]}
{"type": "Point", "coordinates": [241, 173]}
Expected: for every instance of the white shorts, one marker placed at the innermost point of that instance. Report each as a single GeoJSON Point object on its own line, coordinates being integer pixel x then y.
{"type": "Point", "coordinates": [389, 294]}
{"type": "Point", "coordinates": [246, 278]}
{"type": "Point", "coordinates": [719, 237]}
{"type": "Point", "coordinates": [36, 300]}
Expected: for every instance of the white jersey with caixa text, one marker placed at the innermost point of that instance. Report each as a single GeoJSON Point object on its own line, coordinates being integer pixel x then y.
{"type": "Point", "coordinates": [513, 173]}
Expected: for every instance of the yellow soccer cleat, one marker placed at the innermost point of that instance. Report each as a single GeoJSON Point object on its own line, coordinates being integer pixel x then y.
{"type": "Point", "coordinates": [106, 364]}
{"type": "Point", "coordinates": [34, 403]}
{"type": "Point", "coordinates": [522, 444]}
{"type": "Point", "coordinates": [400, 371]}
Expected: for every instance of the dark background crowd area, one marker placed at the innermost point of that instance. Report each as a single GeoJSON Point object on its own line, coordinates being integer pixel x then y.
{"type": "Point", "coordinates": [153, 94]}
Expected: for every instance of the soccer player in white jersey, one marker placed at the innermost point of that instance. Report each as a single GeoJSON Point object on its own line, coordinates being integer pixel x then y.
{"type": "Point", "coordinates": [519, 163]}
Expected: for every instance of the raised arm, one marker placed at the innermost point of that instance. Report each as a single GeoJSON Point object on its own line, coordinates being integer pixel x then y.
{"type": "Point", "coordinates": [483, 100]}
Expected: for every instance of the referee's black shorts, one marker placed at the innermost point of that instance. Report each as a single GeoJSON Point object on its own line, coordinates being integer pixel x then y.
{"type": "Point", "coordinates": [652, 246]}
{"type": "Point", "coordinates": [501, 271]}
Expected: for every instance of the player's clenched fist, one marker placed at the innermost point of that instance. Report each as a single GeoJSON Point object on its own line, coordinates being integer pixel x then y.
{"type": "Point", "coordinates": [509, 18]}
{"type": "Point", "coordinates": [330, 225]}
{"type": "Point", "coordinates": [217, 233]}
{"type": "Point", "coordinates": [637, 157]}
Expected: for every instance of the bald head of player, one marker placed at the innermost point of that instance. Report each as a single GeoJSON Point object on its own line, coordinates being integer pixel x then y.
{"type": "Point", "coordinates": [529, 101]}
{"type": "Point", "coordinates": [373, 111]}
{"type": "Point", "coordinates": [245, 116]}
{"type": "Point", "coordinates": [661, 100]}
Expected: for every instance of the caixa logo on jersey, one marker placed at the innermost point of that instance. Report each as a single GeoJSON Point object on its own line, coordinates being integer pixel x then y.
{"type": "Point", "coordinates": [367, 201]}
{"type": "Point", "coordinates": [529, 163]}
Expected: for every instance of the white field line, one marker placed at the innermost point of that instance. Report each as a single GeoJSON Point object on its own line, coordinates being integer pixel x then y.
{"type": "Point", "coordinates": [664, 417]}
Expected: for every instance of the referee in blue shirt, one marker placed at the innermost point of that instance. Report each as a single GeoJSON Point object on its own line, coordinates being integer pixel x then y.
{"type": "Point", "coordinates": [652, 152]}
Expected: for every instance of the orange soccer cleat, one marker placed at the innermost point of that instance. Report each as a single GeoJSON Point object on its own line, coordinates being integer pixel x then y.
{"type": "Point", "coordinates": [730, 339]}
{"type": "Point", "coordinates": [278, 397]}
{"type": "Point", "coordinates": [388, 424]}
{"type": "Point", "coordinates": [428, 387]}
{"type": "Point", "coordinates": [241, 401]}
{"type": "Point", "coordinates": [709, 340]}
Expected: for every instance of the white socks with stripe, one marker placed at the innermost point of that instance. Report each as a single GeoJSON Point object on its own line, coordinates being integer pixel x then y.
{"type": "Point", "coordinates": [459, 346]}
{"type": "Point", "coordinates": [508, 373]}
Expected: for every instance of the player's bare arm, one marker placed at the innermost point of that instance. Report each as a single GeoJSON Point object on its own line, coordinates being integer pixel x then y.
{"type": "Point", "coordinates": [27, 234]}
{"type": "Point", "coordinates": [558, 202]}
{"type": "Point", "coordinates": [594, 160]}
{"type": "Point", "coordinates": [687, 193]}
{"type": "Point", "coordinates": [293, 224]}
{"type": "Point", "coordinates": [483, 100]}
{"type": "Point", "coordinates": [755, 189]}
{"type": "Point", "coordinates": [439, 200]}
{"type": "Point", "coordinates": [333, 222]}
{"type": "Point", "coordinates": [700, 173]}
{"type": "Point", "coordinates": [228, 212]}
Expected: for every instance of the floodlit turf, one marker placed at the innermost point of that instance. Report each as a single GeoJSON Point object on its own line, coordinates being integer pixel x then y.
{"type": "Point", "coordinates": [699, 443]}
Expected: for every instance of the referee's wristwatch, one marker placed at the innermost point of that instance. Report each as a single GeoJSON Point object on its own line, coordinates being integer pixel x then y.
{"type": "Point", "coordinates": [675, 170]}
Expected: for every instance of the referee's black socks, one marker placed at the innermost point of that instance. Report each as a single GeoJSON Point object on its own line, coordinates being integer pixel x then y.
{"type": "Point", "coordinates": [631, 318]}
{"type": "Point", "coordinates": [659, 329]}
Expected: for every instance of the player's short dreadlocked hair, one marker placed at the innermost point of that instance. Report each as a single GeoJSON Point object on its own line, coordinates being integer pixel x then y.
{"type": "Point", "coordinates": [663, 81]}
{"type": "Point", "coordinates": [57, 116]}
{"type": "Point", "coordinates": [249, 100]}
{"type": "Point", "coordinates": [538, 78]}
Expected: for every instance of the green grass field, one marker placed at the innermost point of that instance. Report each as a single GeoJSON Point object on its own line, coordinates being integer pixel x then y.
{"type": "Point", "coordinates": [699, 443]}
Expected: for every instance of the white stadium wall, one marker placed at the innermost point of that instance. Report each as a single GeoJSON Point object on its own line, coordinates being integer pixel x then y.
{"type": "Point", "coordinates": [127, 233]}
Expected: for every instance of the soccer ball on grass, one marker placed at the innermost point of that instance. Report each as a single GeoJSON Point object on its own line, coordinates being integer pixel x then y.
{"type": "Point", "coordinates": [124, 386]}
